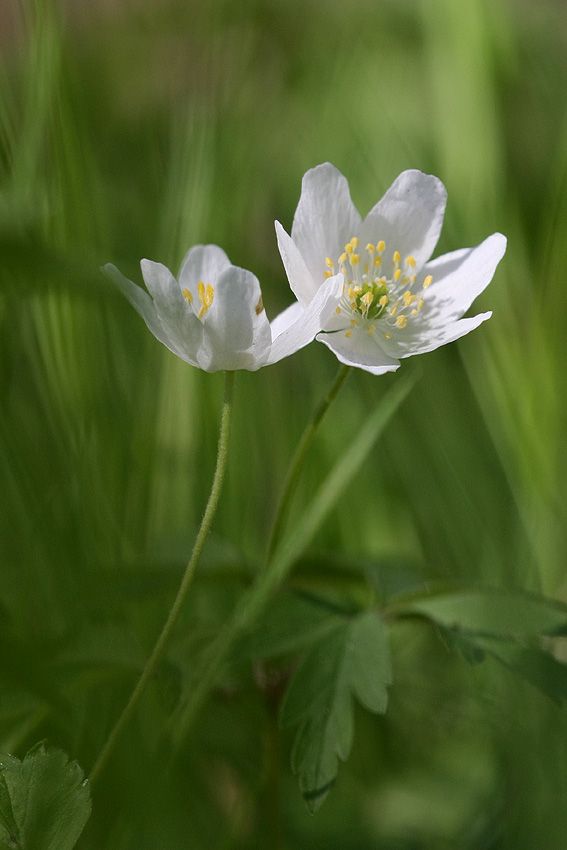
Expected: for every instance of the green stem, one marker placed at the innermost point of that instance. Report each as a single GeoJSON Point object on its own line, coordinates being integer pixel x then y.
{"type": "Point", "coordinates": [186, 581]}
{"type": "Point", "coordinates": [264, 586]}
{"type": "Point", "coordinates": [298, 460]}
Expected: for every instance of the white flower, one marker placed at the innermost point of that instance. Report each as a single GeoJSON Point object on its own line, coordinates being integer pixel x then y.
{"type": "Point", "coordinates": [214, 318]}
{"type": "Point", "coordinates": [394, 303]}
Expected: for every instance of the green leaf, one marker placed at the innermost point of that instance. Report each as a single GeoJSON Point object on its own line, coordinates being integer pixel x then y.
{"type": "Point", "coordinates": [532, 663]}
{"type": "Point", "coordinates": [351, 660]}
{"type": "Point", "coordinates": [342, 473]}
{"type": "Point", "coordinates": [488, 612]}
{"type": "Point", "coordinates": [44, 801]}
{"type": "Point", "coordinates": [289, 624]}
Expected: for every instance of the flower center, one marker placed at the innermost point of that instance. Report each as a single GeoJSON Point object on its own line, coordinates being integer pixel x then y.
{"type": "Point", "coordinates": [206, 294]}
{"type": "Point", "coordinates": [369, 295]}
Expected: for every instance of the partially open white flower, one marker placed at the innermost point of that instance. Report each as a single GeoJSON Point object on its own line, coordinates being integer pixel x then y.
{"type": "Point", "coordinates": [214, 318]}
{"type": "Point", "coordinates": [394, 303]}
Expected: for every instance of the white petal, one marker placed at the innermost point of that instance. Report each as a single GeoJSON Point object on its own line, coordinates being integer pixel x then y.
{"type": "Point", "coordinates": [459, 277]}
{"type": "Point", "coordinates": [183, 328]}
{"type": "Point", "coordinates": [409, 217]}
{"type": "Point", "coordinates": [302, 284]}
{"type": "Point", "coordinates": [309, 321]}
{"type": "Point", "coordinates": [361, 350]}
{"type": "Point", "coordinates": [286, 318]}
{"type": "Point", "coordinates": [236, 331]}
{"type": "Point", "coordinates": [202, 263]}
{"type": "Point", "coordinates": [428, 339]}
{"type": "Point", "coordinates": [144, 305]}
{"type": "Point", "coordinates": [325, 218]}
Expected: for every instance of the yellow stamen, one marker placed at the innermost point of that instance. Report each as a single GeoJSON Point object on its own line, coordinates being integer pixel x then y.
{"type": "Point", "coordinates": [187, 295]}
{"type": "Point", "coordinates": [397, 274]}
{"type": "Point", "coordinates": [393, 310]}
{"type": "Point", "coordinates": [410, 261]}
{"type": "Point", "coordinates": [371, 329]}
{"type": "Point", "coordinates": [354, 242]}
{"type": "Point", "coordinates": [354, 259]}
{"type": "Point", "coordinates": [401, 321]}
{"type": "Point", "coordinates": [427, 281]}
{"type": "Point", "coordinates": [206, 293]}
{"type": "Point", "coordinates": [329, 262]}
{"type": "Point", "coordinates": [338, 311]}
{"type": "Point", "coordinates": [343, 257]}
{"type": "Point", "coordinates": [380, 246]}
{"type": "Point", "coordinates": [259, 306]}
{"type": "Point", "coordinates": [383, 301]}
{"type": "Point", "coordinates": [328, 273]}
{"type": "Point", "coordinates": [349, 248]}
{"type": "Point", "coordinates": [408, 298]}
{"type": "Point", "coordinates": [370, 248]}
{"type": "Point", "coordinates": [377, 262]}
{"type": "Point", "coordinates": [348, 333]}
{"type": "Point", "coordinates": [396, 257]}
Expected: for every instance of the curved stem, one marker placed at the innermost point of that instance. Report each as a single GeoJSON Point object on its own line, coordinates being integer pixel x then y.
{"type": "Point", "coordinates": [162, 641]}
{"type": "Point", "coordinates": [264, 586]}
{"type": "Point", "coordinates": [298, 460]}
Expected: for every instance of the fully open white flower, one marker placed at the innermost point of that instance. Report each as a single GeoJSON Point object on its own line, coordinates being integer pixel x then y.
{"type": "Point", "coordinates": [394, 303]}
{"type": "Point", "coordinates": [213, 316]}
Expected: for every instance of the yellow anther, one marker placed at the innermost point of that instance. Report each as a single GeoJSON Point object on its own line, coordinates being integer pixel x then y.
{"type": "Point", "coordinates": [353, 323]}
{"type": "Point", "coordinates": [427, 281]}
{"type": "Point", "coordinates": [377, 262]}
{"type": "Point", "coordinates": [370, 248]}
{"type": "Point", "coordinates": [396, 257]}
{"type": "Point", "coordinates": [343, 257]}
{"type": "Point", "coordinates": [420, 303]}
{"type": "Point", "coordinates": [206, 293]}
{"type": "Point", "coordinates": [397, 274]}
{"type": "Point", "coordinates": [408, 298]}
{"type": "Point", "coordinates": [383, 301]}
{"type": "Point", "coordinates": [401, 321]}
{"type": "Point", "coordinates": [371, 329]}
{"type": "Point", "coordinates": [349, 248]}
{"type": "Point", "coordinates": [348, 333]}
{"type": "Point", "coordinates": [328, 273]}
{"type": "Point", "coordinates": [380, 246]}
{"type": "Point", "coordinates": [393, 310]}
{"type": "Point", "coordinates": [187, 295]}
{"type": "Point", "coordinates": [367, 299]}
{"type": "Point", "coordinates": [329, 262]}
{"type": "Point", "coordinates": [410, 261]}
{"type": "Point", "coordinates": [354, 242]}
{"type": "Point", "coordinates": [354, 259]}
{"type": "Point", "coordinates": [259, 308]}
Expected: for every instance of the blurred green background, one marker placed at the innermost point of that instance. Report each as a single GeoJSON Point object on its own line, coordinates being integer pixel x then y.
{"type": "Point", "coordinates": [138, 128]}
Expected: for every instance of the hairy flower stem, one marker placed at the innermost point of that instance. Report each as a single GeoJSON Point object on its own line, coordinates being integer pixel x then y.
{"type": "Point", "coordinates": [298, 460]}
{"type": "Point", "coordinates": [186, 581]}
{"type": "Point", "coordinates": [266, 583]}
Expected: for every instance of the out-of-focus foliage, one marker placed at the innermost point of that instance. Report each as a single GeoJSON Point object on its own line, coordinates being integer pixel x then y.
{"type": "Point", "coordinates": [137, 129]}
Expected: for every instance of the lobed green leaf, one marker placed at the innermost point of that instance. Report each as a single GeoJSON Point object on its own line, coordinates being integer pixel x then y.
{"type": "Point", "coordinates": [44, 801]}
{"type": "Point", "coordinates": [351, 661]}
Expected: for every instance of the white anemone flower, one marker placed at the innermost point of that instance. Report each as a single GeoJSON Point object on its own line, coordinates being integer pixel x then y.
{"type": "Point", "coordinates": [395, 301]}
{"type": "Point", "coordinates": [213, 317]}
